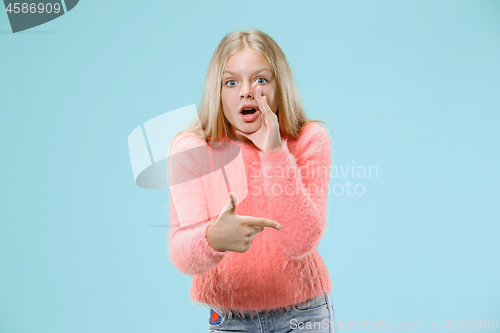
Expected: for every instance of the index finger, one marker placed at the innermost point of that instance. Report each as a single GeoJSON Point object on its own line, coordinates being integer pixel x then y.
{"type": "Point", "coordinates": [258, 97]}
{"type": "Point", "coordinates": [265, 104]}
{"type": "Point", "coordinates": [262, 222]}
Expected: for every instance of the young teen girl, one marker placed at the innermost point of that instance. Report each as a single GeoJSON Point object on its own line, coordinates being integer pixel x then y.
{"type": "Point", "coordinates": [252, 251]}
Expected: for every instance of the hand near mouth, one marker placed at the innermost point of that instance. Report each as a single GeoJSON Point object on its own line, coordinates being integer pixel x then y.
{"type": "Point", "coordinates": [267, 138]}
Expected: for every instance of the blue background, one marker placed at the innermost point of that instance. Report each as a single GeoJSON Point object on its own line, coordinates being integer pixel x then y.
{"type": "Point", "coordinates": [411, 87]}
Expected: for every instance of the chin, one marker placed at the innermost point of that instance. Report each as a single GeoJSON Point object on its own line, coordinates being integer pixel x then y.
{"type": "Point", "coordinates": [250, 128]}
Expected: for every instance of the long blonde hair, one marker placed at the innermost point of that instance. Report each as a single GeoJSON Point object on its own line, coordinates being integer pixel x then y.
{"type": "Point", "coordinates": [211, 124]}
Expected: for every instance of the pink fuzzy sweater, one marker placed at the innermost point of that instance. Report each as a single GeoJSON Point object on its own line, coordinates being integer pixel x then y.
{"type": "Point", "coordinates": [282, 267]}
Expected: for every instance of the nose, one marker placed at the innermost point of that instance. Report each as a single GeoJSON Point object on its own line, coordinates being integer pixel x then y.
{"type": "Point", "coordinates": [246, 90]}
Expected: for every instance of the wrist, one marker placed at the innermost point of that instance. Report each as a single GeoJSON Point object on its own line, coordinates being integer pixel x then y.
{"type": "Point", "coordinates": [208, 242]}
{"type": "Point", "coordinates": [275, 150]}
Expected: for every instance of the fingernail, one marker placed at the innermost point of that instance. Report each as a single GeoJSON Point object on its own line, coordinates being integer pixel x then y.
{"type": "Point", "coordinates": [278, 226]}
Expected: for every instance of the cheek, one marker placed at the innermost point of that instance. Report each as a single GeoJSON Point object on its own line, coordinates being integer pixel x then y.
{"type": "Point", "coordinates": [226, 97]}
{"type": "Point", "coordinates": [228, 105]}
{"type": "Point", "coordinates": [224, 101]}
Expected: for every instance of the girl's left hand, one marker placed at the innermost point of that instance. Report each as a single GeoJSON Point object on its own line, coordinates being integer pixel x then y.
{"type": "Point", "coordinates": [267, 138]}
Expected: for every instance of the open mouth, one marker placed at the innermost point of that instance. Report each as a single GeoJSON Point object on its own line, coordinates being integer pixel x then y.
{"type": "Point", "coordinates": [248, 110]}
{"type": "Point", "coordinates": [249, 113]}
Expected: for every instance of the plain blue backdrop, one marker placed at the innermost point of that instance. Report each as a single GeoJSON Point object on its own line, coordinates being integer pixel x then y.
{"type": "Point", "coordinates": [410, 87]}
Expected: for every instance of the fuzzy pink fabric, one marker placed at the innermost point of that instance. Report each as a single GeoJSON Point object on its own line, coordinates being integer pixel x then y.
{"type": "Point", "coordinates": [282, 267]}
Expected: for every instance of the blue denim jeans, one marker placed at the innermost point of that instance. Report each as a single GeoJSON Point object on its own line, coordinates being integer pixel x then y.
{"type": "Point", "coordinates": [313, 315]}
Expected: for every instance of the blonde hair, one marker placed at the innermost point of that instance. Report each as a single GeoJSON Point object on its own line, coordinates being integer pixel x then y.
{"type": "Point", "coordinates": [211, 124]}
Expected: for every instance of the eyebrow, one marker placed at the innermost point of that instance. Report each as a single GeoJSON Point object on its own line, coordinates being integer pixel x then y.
{"type": "Point", "coordinates": [257, 71]}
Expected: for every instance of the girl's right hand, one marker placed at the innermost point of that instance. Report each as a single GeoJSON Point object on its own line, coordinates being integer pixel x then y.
{"type": "Point", "coordinates": [232, 232]}
{"type": "Point", "coordinates": [267, 138]}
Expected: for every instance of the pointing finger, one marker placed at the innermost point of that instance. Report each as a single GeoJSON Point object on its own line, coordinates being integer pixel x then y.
{"type": "Point", "coordinates": [258, 229]}
{"type": "Point", "coordinates": [261, 222]}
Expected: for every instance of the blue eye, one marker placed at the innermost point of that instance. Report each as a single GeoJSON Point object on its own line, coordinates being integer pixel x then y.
{"type": "Point", "coordinates": [231, 83]}
{"type": "Point", "coordinates": [261, 80]}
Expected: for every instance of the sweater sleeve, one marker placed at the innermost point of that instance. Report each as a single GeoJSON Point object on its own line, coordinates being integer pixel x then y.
{"type": "Point", "coordinates": [189, 218]}
{"type": "Point", "coordinates": [297, 189]}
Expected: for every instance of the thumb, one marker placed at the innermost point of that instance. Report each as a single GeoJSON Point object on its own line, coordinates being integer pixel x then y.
{"type": "Point", "coordinates": [231, 203]}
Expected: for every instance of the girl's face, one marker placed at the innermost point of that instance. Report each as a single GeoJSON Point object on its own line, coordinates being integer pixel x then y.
{"type": "Point", "coordinates": [242, 70]}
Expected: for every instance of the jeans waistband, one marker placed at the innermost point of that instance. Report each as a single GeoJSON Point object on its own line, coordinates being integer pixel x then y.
{"type": "Point", "coordinates": [311, 300]}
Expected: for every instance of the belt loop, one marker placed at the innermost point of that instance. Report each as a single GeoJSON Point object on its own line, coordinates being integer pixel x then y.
{"type": "Point", "coordinates": [230, 315]}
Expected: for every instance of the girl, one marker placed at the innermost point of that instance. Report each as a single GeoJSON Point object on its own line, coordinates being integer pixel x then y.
{"type": "Point", "coordinates": [252, 252]}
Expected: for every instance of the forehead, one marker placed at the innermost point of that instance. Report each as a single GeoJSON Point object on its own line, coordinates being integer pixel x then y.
{"type": "Point", "coordinates": [247, 59]}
